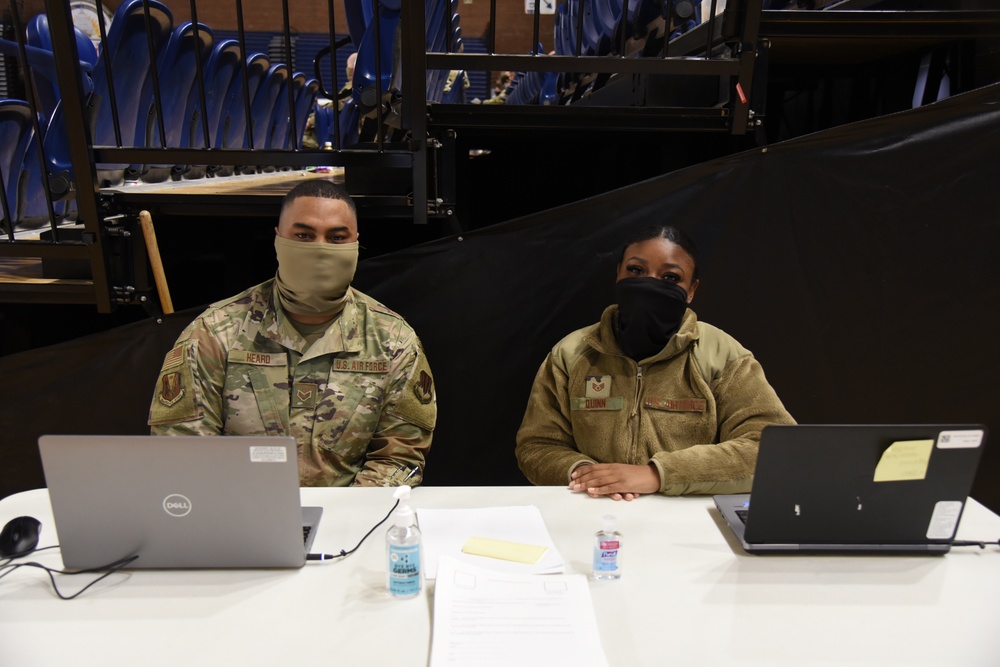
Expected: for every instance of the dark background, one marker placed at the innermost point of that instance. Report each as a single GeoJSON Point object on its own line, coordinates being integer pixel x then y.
{"type": "Point", "coordinates": [858, 263]}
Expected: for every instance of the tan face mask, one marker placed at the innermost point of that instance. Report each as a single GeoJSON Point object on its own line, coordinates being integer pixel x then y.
{"type": "Point", "coordinates": [313, 277]}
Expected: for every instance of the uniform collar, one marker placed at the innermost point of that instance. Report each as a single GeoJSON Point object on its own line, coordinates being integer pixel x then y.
{"type": "Point", "coordinates": [602, 338]}
{"type": "Point", "coordinates": [343, 335]}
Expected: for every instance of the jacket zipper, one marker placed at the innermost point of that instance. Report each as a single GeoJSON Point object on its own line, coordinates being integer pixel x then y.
{"type": "Point", "coordinates": [634, 417]}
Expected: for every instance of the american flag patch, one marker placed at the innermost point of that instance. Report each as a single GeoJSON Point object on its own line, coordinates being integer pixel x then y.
{"type": "Point", "coordinates": [174, 358]}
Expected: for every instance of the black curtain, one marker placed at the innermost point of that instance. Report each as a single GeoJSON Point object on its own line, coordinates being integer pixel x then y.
{"type": "Point", "coordinates": [857, 263]}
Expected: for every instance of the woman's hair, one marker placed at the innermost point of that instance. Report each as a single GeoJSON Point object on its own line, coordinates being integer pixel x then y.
{"type": "Point", "coordinates": [669, 233]}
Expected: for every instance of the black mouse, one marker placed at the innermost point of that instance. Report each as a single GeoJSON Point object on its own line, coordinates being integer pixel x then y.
{"type": "Point", "coordinates": [19, 537]}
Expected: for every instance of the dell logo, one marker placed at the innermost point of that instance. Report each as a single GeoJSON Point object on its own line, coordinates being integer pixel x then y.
{"type": "Point", "coordinates": [177, 505]}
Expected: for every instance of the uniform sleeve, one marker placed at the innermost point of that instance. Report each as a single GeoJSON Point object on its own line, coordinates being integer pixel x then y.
{"type": "Point", "coordinates": [546, 451]}
{"type": "Point", "coordinates": [187, 399]}
{"type": "Point", "coordinates": [398, 448]}
{"type": "Point", "coordinates": [746, 403]}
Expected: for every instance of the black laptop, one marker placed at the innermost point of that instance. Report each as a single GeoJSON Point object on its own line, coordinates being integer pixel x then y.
{"type": "Point", "coordinates": [896, 488]}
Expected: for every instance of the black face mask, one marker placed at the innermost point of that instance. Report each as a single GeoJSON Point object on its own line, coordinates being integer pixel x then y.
{"type": "Point", "coordinates": [649, 313]}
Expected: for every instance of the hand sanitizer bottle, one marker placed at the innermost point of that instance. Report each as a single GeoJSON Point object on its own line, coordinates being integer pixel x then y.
{"type": "Point", "coordinates": [402, 550]}
{"type": "Point", "coordinates": [607, 550]}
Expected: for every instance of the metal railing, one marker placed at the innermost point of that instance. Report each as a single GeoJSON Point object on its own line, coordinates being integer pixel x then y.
{"type": "Point", "coordinates": [104, 238]}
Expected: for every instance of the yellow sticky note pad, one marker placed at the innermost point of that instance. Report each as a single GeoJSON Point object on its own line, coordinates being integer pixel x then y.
{"type": "Point", "coordinates": [513, 551]}
{"type": "Point", "coordinates": [906, 459]}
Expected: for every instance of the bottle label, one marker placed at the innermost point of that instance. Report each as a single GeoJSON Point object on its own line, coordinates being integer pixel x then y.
{"type": "Point", "coordinates": [606, 556]}
{"type": "Point", "coordinates": [404, 569]}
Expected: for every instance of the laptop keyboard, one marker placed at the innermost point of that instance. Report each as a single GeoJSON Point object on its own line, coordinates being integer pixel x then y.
{"type": "Point", "coordinates": [742, 514]}
{"type": "Point", "coordinates": [305, 534]}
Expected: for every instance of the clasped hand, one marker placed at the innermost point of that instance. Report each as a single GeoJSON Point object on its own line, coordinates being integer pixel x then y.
{"type": "Point", "coordinates": [618, 481]}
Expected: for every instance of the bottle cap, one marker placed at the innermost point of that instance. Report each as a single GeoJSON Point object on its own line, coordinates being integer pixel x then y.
{"type": "Point", "coordinates": [404, 513]}
{"type": "Point", "coordinates": [610, 523]}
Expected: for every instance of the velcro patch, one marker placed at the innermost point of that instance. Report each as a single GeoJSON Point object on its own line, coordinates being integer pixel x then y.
{"type": "Point", "coordinates": [609, 403]}
{"type": "Point", "coordinates": [305, 395]}
{"type": "Point", "coordinates": [175, 357]}
{"type": "Point", "coordinates": [361, 365]}
{"type": "Point", "coordinates": [257, 358]}
{"type": "Point", "coordinates": [676, 404]}
{"type": "Point", "coordinates": [597, 386]}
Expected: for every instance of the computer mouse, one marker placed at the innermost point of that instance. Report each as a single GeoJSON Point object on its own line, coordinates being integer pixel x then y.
{"type": "Point", "coordinates": [19, 537]}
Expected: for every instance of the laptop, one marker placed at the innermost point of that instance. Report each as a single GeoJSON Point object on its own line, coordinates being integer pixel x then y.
{"type": "Point", "coordinates": [896, 488]}
{"type": "Point", "coordinates": [177, 501]}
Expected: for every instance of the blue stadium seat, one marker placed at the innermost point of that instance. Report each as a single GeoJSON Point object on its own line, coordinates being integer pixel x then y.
{"type": "Point", "coordinates": [369, 84]}
{"type": "Point", "coordinates": [233, 123]}
{"type": "Point", "coordinates": [127, 50]}
{"type": "Point", "coordinates": [220, 73]}
{"type": "Point", "coordinates": [15, 137]}
{"type": "Point", "coordinates": [264, 100]}
{"type": "Point", "coordinates": [177, 71]}
{"type": "Point", "coordinates": [304, 103]}
{"type": "Point", "coordinates": [45, 80]}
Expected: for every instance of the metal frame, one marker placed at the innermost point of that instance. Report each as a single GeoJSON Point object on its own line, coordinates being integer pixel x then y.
{"type": "Point", "coordinates": [727, 48]}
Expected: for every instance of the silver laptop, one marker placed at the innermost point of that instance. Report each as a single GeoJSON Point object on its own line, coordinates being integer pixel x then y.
{"type": "Point", "coordinates": [897, 488]}
{"type": "Point", "coordinates": [177, 502]}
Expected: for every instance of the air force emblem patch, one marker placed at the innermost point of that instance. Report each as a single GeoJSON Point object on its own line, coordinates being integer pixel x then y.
{"type": "Point", "coordinates": [171, 389]}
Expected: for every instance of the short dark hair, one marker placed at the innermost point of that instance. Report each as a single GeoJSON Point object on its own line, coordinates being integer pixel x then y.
{"type": "Point", "coordinates": [319, 187]}
{"type": "Point", "coordinates": [669, 233]}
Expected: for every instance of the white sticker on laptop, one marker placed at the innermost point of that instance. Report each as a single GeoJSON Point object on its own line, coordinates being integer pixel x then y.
{"type": "Point", "coordinates": [960, 439]}
{"type": "Point", "coordinates": [944, 519]}
{"type": "Point", "coordinates": [268, 454]}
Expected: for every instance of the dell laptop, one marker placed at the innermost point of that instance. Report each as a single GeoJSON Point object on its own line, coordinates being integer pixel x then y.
{"type": "Point", "coordinates": [856, 488]}
{"type": "Point", "coordinates": [177, 501]}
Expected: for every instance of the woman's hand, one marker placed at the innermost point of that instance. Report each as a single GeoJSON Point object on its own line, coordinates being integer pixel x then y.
{"type": "Point", "coordinates": [619, 481]}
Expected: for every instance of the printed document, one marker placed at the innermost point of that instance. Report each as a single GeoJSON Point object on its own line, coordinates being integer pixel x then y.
{"type": "Point", "coordinates": [486, 618]}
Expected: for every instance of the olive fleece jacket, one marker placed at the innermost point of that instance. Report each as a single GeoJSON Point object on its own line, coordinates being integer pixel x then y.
{"type": "Point", "coordinates": [694, 411]}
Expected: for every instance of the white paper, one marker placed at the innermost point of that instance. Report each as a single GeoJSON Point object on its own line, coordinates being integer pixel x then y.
{"type": "Point", "coordinates": [445, 531]}
{"type": "Point", "coordinates": [488, 618]}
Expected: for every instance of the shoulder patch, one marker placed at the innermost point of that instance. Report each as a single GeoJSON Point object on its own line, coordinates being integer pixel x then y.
{"type": "Point", "coordinates": [174, 398]}
{"type": "Point", "coordinates": [418, 402]}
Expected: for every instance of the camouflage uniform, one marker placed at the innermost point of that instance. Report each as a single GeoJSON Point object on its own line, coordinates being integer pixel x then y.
{"type": "Point", "coordinates": [360, 401]}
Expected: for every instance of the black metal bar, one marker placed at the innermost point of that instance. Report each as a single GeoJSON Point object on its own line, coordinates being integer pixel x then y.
{"type": "Point", "coordinates": [625, 119]}
{"type": "Point", "coordinates": [48, 249]}
{"type": "Point", "coordinates": [79, 139]}
{"type": "Point", "coordinates": [336, 79]}
{"type": "Point", "coordinates": [493, 27]}
{"type": "Point", "coordinates": [748, 56]}
{"type": "Point", "coordinates": [294, 138]}
{"type": "Point", "coordinates": [579, 27]}
{"type": "Point", "coordinates": [668, 11]}
{"type": "Point", "coordinates": [379, 134]}
{"type": "Point", "coordinates": [395, 156]}
{"type": "Point", "coordinates": [200, 75]}
{"type": "Point", "coordinates": [39, 135]}
{"type": "Point", "coordinates": [50, 292]}
{"type": "Point", "coordinates": [534, 34]}
{"type": "Point", "coordinates": [622, 22]}
{"type": "Point", "coordinates": [8, 217]}
{"type": "Point", "coordinates": [673, 65]}
{"type": "Point", "coordinates": [413, 44]}
{"type": "Point", "coordinates": [154, 73]}
{"type": "Point", "coordinates": [248, 128]}
{"type": "Point", "coordinates": [711, 30]}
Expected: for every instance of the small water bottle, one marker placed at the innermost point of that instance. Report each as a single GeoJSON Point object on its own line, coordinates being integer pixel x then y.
{"type": "Point", "coordinates": [607, 550]}
{"type": "Point", "coordinates": [402, 550]}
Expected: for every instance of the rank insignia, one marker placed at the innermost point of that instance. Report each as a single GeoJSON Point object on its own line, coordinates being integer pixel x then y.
{"type": "Point", "coordinates": [597, 386]}
{"type": "Point", "coordinates": [424, 387]}
{"type": "Point", "coordinates": [304, 394]}
{"type": "Point", "coordinates": [171, 389]}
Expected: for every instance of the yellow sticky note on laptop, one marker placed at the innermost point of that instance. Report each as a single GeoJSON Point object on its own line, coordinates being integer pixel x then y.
{"type": "Point", "coordinates": [512, 551]}
{"type": "Point", "coordinates": [905, 459]}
